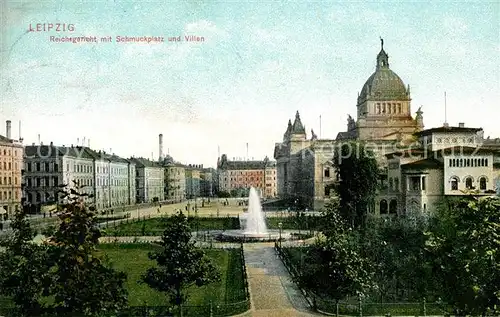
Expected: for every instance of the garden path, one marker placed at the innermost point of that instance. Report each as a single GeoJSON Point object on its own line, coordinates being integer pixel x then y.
{"type": "Point", "coordinates": [272, 292]}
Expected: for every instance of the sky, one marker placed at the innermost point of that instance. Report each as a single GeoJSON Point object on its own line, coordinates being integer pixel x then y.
{"type": "Point", "coordinates": [261, 61]}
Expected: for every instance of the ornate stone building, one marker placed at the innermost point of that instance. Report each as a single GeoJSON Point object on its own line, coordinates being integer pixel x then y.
{"type": "Point", "coordinates": [384, 122]}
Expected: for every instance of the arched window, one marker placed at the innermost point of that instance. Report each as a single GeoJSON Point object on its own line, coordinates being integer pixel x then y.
{"type": "Point", "coordinates": [393, 206]}
{"type": "Point", "coordinates": [454, 183]}
{"type": "Point", "coordinates": [482, 183]}
{"type": "Point", "coordinates": [38, 197]}
{"type": "Point", "coordinates": [391, 183]}
{"type": "Point", "coordinates": [468, 183]}
{"type": "Point", "coordinates": [485, 162]}
{"type": "Point", "coordinates": [383, 206]}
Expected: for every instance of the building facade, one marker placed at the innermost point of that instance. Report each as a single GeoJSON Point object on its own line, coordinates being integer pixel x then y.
{"type": "Point", "coordinates": [448, 161]}
{"type": "Point", "coordinates": [47, 167]}
{"type": "Point", "coordinates": [150, 181]}
{"type": "Point", "coordinates": [207, 177]}
{"type": "Point", "coordinates": [11, 166]}
{"type": "Point", "coordinates": [193, 181]}
{"type": "Point", "coordinates": [175, 179]}
{"type": "Point", "coordinates": [108, 179]}
{"type": "Point", "coordinates": [237, 177]}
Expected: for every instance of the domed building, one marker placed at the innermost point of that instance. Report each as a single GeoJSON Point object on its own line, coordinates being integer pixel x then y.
{"type": "Point", "coordinates": [305, 172]}
{"type": "Point", "coordinates": [383, 107]}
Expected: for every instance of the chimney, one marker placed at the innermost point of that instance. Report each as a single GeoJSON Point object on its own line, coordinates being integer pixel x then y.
{"type": "Point", "coordinates": [461, 125]}
{"type": "Point", "coordinates": [51, 144]}
{"type": "Point", "coordinates": [20, 137]}
{"type": "Point", "coordinates": [160, 141]}
{"type": "Point", "coordinates": [8, 129]}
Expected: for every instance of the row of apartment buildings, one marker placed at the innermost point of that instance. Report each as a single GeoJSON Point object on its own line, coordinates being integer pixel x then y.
{"type": "Point", "coordinates": [32, 176]}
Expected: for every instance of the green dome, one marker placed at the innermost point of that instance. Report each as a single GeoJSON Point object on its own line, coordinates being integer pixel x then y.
{"type": "Point", "coordinates": [383, 84]}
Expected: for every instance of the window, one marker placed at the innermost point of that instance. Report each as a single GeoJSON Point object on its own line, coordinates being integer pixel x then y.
{"type": "Point", "coordinates": [327, 191]}
{"type": "Point", "coordinates": [454, 183]}
{"type": "Point", "coordinates": [56, 167]}
{"type": "Point", "coordinates": [383, 206]}
{"type": "Point", "coordinates": [468, 183]}
{"type": "Point", "coordinates": [47, 167]}
{"type": "Point", "coordinates": [415, 183]}
{"type": "Point", "coordinates": [393, 206]}
{"type": "Point", "coordinates": [38, 166]}
{"type": "Point", "coordinates": [423, 183]}
{"type": "Point", "coordinates": [327, 172]}
{"type": "Point", "coordinates": [391, 184]}
{"type": "Point", "coordinates": [482, 183]}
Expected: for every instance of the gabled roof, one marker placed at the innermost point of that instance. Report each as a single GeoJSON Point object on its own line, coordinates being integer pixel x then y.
{"type": "Point", "coordinates": [349, 135]}
{"type": "Point", "coordinates": [45, 151]}
{"type": "Point", "coordinates": [423, 164]}
{"type": "Point", "coordinates": [5, 139]}
{"type": "Point", "coordinates": [142, 162]}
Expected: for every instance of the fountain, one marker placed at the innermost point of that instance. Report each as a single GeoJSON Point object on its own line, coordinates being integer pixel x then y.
{"type": "Point", "coordinates": [253, 224]}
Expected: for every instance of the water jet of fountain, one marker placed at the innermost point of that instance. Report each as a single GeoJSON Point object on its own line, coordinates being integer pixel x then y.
{"type": "Point", "coordinates": [254, 220]}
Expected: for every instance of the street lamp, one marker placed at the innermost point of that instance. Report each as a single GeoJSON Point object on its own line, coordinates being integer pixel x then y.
{"type": "Point", "coordinates": [280, 225]}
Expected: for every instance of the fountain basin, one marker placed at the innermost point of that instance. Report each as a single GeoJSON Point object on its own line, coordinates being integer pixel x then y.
{"type": "Point", "coordinates": [242, 236]}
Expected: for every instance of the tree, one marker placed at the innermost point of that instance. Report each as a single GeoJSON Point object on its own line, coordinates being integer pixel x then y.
{"type": "Point", "coordinates": [334, 267]}
{"type": "Point", "coordinates": [82, 282]}
{"type": "Point", "coordinates": [180, 263]}
{"type": "Point", "coordinates": [23, 267]}
{"type": "Point", "coordinates": [464, 242]}
{"type": "Point", "coordinates": [358, 173]}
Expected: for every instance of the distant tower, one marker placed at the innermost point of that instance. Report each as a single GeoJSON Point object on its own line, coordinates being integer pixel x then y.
{"type": "Point", "coordinates": [160, 145]}
{"type": "Point", "coordinates": [8, 129]}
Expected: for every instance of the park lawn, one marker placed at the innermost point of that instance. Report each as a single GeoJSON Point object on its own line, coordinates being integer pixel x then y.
{"type": "Point", "coordinates": [133, 260]}
{"type": "Point", "coordinates": [293, 222]}
{"type": "Point", "coordinates": [156, 226]}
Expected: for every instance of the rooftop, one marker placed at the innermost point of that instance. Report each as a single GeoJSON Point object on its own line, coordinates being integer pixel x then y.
{"type": "Point", "coordinates": [446, 129]}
